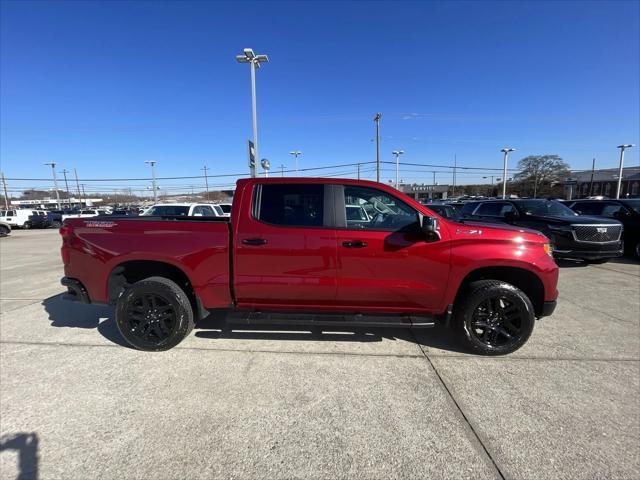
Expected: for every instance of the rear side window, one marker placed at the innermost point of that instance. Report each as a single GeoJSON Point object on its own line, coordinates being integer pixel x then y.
{"type": "Point", "coordinates": [293, 205]}
{"type": "Point", "coordinates": [588, 208]}
{"type": "Point", "coordinates": [468, 208]}
{"type": "Point", "coordinates": [495, 209]}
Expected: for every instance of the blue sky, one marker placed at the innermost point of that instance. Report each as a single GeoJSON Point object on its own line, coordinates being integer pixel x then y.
{"type": "Point", "coordinates": [103, 86]}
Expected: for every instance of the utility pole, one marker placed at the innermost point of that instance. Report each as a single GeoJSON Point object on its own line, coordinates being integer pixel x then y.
{"type": "Point", "coordinates": [295, 153]}
{"type": "Point", "coordinates": [84, 194]}
{"type": "Point", "coordinates": [206, 180]}
{"type": "Point", "coordinates": [358, 170]}
{"type": "Point", "coordinates": [622, 149]}
{"type": "Point", "coordinates": [282, 170]}
{"type": "Point", "coordinates": [506, 151]}
{"type": "Point", "coordinates": [254, 60]}
{"type": "Point", "coordinates": [66, 185]}
{"type": "Point", "coordinates": [78, 185]}
{"type": "Point", "coordinates": [455, 164]}
{"type": "Point", "coordinates": [593, 170]}
{"type": "Point", "coordinates": [397, 153]}
{"type": "Point", "coordinates": [55, 182]}
{"type": "Point", "coordinates": [153, 176]}
{"type": "Point", "coordinates": [377, 120]}
{"type": "Point", "coordinates": [6, 197]}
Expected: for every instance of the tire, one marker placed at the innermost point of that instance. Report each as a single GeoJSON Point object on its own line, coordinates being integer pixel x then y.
{"type": "Point", "coordinates": [598, 261]}
{"type": "Point", "coordinates": [4, 231]}
{"type": "Point", "coordinates": [637, 251]}
{"type": "Point", "coordinates": [154, 314]}
{"type": "Point", "coordinates": [26, 225]}
{"type": "Point", "coordinates": [493, 318]}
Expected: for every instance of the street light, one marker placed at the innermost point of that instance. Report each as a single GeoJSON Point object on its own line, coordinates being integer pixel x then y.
{"type": "Point", "coordinates": [506, 151]}
{"type": "Point", "coordinates": [295, 153]}
{"type": "Point", "coordinates": [397, 153]}
{"type": "Point", "coordinates": [377, 120]}
{"type": "Point", "coordinates": [153, 176]}
{"type": "Point", "coordinates": [254, 60]}
{"type": "Point", "coordinates": [55, 183]}
{"type": "Point", "coordinates": [622, 149]}
{"type": "Point", "coordinates": [266, 166]}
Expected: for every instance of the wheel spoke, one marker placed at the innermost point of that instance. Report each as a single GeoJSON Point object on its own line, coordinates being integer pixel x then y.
{"type": "Point", "coordinates": [501, 331]}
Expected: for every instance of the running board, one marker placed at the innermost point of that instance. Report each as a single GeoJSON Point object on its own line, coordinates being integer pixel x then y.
{"type": "Point", "coordinates": [253, 317]}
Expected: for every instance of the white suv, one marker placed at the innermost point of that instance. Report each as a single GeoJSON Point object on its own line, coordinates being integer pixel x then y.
{"type": "Point", "coordinates": [184, 210]}
{"type": "Point", "coordinates": [18, 217]}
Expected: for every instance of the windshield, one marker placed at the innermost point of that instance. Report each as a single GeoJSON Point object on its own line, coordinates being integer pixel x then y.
{"type": "Point", "coordinates": [168, 210]}
{"type": "Point", "coordinates": [545, 207]}
{"type": "Point", "coordinates": [218, 210]}
{"type": "Point", "coordinates": [635, 204]}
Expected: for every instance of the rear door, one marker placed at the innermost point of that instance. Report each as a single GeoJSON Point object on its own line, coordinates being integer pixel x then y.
{"type": "Point", "coordinates": [385, 263]}
{"type": "Point", "coordinates": [284, 251]}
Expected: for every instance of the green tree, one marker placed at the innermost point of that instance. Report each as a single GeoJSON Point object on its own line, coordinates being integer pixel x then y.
{"type": "Point", "coordinates": [541, 172]}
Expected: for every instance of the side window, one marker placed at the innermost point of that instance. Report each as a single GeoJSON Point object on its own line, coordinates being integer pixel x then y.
{"type": "Point", "coordinates": [611, 209]}
{"type": "Point", "coordinates": [294, 205]}
{"type": "Point", "coordinates": [207, 211]}
{"type": "Point", "coordinates": [372, 209]}
{"type": "Point", "coordinates": [588, 208]}
{"type": "Point", "coordinates": [495, 209]}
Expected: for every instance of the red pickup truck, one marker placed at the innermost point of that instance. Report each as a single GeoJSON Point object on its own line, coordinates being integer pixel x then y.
{"type": "Point", "coordinates": [320, 251]}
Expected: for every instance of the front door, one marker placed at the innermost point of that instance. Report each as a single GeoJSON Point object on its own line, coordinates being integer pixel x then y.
{"type": "Point", "coordinates": [385, 263]}
{"type": "Point", "coordinates": [285, 256]}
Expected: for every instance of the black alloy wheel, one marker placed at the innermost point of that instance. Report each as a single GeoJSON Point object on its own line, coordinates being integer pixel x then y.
{"type": "Point", "coordinates": [151, 317]}
{"type": "Point", "coordinates": [154, 314]}
{"type": "Point", "coordinates": [492, 317]}
{"type": "Point", "coordinates": [497, 322]}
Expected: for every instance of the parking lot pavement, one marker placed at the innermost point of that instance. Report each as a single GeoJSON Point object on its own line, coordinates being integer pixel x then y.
{"type": "Point", "coordinates": [76, 403]}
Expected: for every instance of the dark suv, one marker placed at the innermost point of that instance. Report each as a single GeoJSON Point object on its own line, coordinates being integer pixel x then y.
{"type": "Point", "coordinates": [626, 211]}
{"type": "Point", "coordinates": [594, 239]}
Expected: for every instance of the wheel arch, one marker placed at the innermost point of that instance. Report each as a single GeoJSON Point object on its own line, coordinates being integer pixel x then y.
{"type": "Point", "coordinates": [521, 278]}
{"type": "Point", "coordinates": [132, 271]}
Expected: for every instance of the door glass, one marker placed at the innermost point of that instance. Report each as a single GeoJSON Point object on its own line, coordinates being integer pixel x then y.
{"type": "Point", "coordinates": [293, 205]}
{"type": "Point", "coordinates": [372, 209]}
{"type": "Point", "coordinates": [495, 209]}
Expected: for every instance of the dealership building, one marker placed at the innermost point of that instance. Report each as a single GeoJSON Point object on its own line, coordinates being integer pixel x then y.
{"type": "Point", "coordinates": [605, 183]}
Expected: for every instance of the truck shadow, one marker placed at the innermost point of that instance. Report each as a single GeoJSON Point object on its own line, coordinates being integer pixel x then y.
{"type": "Point", "coordinates": [26, 446]}
{"type": "Point", "coordinates": [63, 313]}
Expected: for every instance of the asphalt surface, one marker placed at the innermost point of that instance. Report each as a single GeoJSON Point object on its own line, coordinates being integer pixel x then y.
{"type": "Point", "coordinates": [279, 404]}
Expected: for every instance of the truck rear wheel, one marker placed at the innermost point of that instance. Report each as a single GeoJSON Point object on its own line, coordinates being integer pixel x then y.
{"type": "Point", "coordinates": [154, 314]}
{"type": "Point", "coordinates": [493, 318]}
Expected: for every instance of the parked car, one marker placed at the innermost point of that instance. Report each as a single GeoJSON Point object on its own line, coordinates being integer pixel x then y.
{"type": "Point", "coordinates": [226, 209]}
{"type": "Point", "coordinates": [184, 210]}
{"type": "Point", "coordinates": [443, 209]}
{"type": "Point", "coordinates": [23, 218]}
{"type": "Point", "coordinates": [92, 212]}
{"type": "Point", "coordinates": [290, 253]}
{"type": "Point", "coordinates": [593, 239]}
{"type": "Point", "coordinates": [5, 229]}
{"type": "Point", "coordinates": [627, 211]}
{"type": "Point", "coordinates": [124, 211]}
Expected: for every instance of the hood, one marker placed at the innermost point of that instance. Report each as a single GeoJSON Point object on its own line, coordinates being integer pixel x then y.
{"type": "Point", "coordinates": [470, 228]}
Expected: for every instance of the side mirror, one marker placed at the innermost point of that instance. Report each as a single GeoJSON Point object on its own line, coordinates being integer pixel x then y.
{"type": "Point", "coordinates": [620, 214]}
{"type": "Point", "coordinates": [430, 226]}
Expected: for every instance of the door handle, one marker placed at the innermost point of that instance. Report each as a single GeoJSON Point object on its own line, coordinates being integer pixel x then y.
{"type": "Point", "coordinates": [354, 244]}
{"type": "Point", "coordinates": [254, 241]}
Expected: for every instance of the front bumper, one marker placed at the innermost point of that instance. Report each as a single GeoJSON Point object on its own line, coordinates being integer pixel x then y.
{"type": "Point", "coordinates": [547, 308]}
{"type": "Point", "coordinates": [588, 254]}
{"type": "Point", "coordinates": [75, 290]}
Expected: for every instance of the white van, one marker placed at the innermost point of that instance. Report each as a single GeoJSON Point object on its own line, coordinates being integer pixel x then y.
{"type": "Point", "coordinates": [185, 210]}
{"type": "Point", "coordinates": [19, 218]}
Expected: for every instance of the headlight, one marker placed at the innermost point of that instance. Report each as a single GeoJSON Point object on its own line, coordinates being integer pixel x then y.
{"type": "Point", "coordinates": [548, 249]}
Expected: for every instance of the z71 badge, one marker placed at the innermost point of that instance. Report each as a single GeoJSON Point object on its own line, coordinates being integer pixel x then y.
{"type": "Point", "coordinates": [99, 224]}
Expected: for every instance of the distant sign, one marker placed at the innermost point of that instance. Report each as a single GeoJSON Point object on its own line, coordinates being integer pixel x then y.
{"type": "Point", "coordinates": [570, 181]}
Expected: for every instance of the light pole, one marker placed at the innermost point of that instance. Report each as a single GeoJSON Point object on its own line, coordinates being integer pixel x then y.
{"type": "Point", "coordinates": [622, 149]}
{"type": "Point", "coordinates": [75, 172]}
{"type": "Point", "coordinates": [266, 166]}
{"type": "Point", "coordinates": [66, 184]}
{"type": "Point", "coordinates": [153, 176]}
{"type": "Point", "coordinates": [254, 60]}
{"type": "Point", "coordinates": [295, 153]}
{"type": "Point", "coordinates": [506, 151]}
{"type": "Point", "coordinates": [55, 183]}
{"type": "Point", "coordinates": [397, 153]}
{"type": "Point", "coordinates": [377, 120]}
{"type": "Point", "coordinates": [206, 180]}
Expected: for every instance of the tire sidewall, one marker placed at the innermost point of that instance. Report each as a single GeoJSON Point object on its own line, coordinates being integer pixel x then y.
{"type": "Point", "coordinates": [511, 293]}
{"type": "Point", "coordinates": [170, 292]}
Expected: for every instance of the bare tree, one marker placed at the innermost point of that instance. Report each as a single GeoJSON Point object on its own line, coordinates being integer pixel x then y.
{"type": "Point", "coordinates": [542, 171]}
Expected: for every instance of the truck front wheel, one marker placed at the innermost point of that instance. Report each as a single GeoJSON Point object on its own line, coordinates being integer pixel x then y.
{"type": "Point", "coordinates": [493, 317]}
{"type": "Point", "coordinates": [154, 314]}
